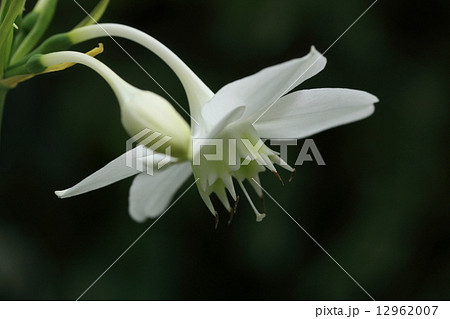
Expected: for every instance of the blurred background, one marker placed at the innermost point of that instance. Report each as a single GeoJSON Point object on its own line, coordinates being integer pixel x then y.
{"type": "Point", "coordinates": [380, 206]}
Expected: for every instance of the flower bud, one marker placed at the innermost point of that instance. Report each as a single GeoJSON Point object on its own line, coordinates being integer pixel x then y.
{"type": "Point", "coordinates": [143, 110]}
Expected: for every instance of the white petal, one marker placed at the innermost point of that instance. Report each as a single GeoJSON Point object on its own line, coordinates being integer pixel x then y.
{"type": "Point", "coordinates": [209, 131]}
{"type": "Point", "coordinates": [151, 194]}
{"type": "Point", "coordinates": [258, 91]}
{"type": "Point", "coordinates": [307, 112]}
{"type": "Point", "coordinates": [116, 170]}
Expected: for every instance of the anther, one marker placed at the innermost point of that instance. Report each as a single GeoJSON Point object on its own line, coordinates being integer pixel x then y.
{"type": "Point", "coordinates": [279, 177]}
{"type": "Point", "coordinates": [233, 210]}
{"type": "Point", "coordinates": [292, 175]}
{"type": "Point", "coordinates": [216, 224]}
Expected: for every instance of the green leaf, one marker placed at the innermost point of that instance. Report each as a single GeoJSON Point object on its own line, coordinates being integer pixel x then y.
{"type": "Point", "coordinates": [6, 27]}
{"type": "Point", "coordinates": [14, 10]}
{"type": "Point", "coordinates": [7, 50]}
{"type": "Point", "coordinates": [4, 5]}
{"type": "Point", "coordinates": [24, 28]}
{"type": "Point", "coordinates": [57, 42]}
{"type": "Point", "coordinates": [95, 15]}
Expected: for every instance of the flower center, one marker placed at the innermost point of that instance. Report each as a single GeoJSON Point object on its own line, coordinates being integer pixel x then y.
{"type": "Point", "coordinates": [236, 152]}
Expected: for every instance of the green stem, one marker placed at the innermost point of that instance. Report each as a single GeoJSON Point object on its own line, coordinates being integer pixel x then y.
{"type": "Point", "coordinates": [14, 10]}
{"type": "Point", "coordinates": [197, 92]}
{"type": "Point", "coordinates": [95, 14]}
{"type": "Point", "coordinates": [6, 29]}
{"type": "Point", "coordinates": [45, 10]}
{"type": "Point", "coordinates": [3, 6]}
{"type": "Point", "coordinates": [18, 70]}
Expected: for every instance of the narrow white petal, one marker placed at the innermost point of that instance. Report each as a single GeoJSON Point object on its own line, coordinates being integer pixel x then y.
{"type": "Point", "coordinates": [151, 194]}
{"type": "Point", "coordinates": [222, 195]}
{"type": "Point", "coordinates": [307, 112]}
{"type": "Point", "coordinates": [206, 199]}
{"type": "Point", "coordinates": [258, 91]}
{"type": "Point", "coordinates": [122, 167]}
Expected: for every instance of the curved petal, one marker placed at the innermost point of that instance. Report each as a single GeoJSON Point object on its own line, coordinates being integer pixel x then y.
{"type": "Point", "coordinates": [151, 194]}
{"type": "Point", "coordinates": [197, 91]}
{"type": "Point", "coordinates": [307, 112]}
{"type": "Point", "coordinates": [210, 131]}
{"type": "Point", "coordinates": [116, 170]}
{"type": "Point", "coordinates": [258, 91]}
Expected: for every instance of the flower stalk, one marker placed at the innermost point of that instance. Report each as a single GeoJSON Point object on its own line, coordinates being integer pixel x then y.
{"type": "Point", "coordinates": [140, 109]}
{"type": "Point", "coordinates": [189, 79]}
{"type": "Point", "coordinates": [19, 37]}
{"type": "Point", "coordinates": [95, 14]}
{"type": "Point", "coordinates": [196, 90]}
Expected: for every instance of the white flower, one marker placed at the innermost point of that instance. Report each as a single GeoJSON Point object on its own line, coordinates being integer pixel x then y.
{"type": "Point", "coordinates": [244, 111]}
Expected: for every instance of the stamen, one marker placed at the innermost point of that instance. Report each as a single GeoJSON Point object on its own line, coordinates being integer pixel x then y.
{"type": "Point", "coordinates": [222, 195]}
{"type": "Point", "coordinates": [216, 223]}
{"type": "Point", "coordinates": [228, 181]}
{"type": "Point", "coordinates": [206, 200]}
{"type": "Point", "coordinates": [292, 175]}
{"type": "Point", "coordinates": [268, 162]}
{"type": "Point", "coordinates": [255, 183]}
{"type": "Point", "coordinates": [263, 204]}
{"type": "Point", "coordinates": [279, 177]}
{"type": "Point", "coordinates": [233, 210]}
{"type": "Point", "coordinates": [280, 162]}
{"type": "Point", "coordinates": [259, 216]}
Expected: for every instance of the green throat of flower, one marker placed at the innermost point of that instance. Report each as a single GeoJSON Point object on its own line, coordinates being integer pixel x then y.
{"type": "Point", "coordinates": [237, 152]}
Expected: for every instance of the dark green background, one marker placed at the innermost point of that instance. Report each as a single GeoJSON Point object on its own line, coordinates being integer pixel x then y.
{"type": "Point", "coordinates": [380, 206]}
